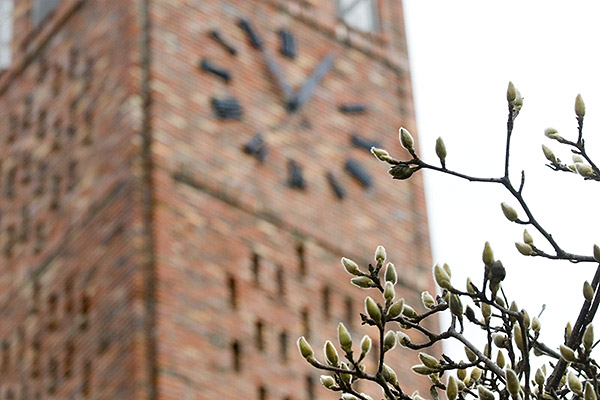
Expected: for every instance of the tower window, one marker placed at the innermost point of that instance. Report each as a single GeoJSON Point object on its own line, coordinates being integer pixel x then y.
{"type": "Point", "coordinates": [6, 31]}
{"type": "Point", "coordinates": [361, 15]}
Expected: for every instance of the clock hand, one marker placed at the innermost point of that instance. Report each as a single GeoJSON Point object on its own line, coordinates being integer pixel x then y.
{"type": "Point", "coordinates": [277, 73]}
{"type": "Point", "coordinates": [311, 83]}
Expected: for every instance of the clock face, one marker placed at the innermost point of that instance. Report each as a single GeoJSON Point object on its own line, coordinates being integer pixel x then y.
{"type": "Point", "coordinates": [298, 107]}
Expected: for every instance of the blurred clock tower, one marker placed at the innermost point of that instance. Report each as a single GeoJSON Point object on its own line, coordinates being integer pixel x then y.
{"type": "Point", "coordinates": [179, 181]}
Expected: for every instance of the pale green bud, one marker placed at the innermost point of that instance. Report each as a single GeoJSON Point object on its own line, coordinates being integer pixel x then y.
{"type": "Point", "coordinates": [511, 92]}
{"type": "Point", "coordinates": [389, 341]}
{"type": "Point", "coordinates": [470, 286]}
{"type": "Point", "coordinates": [588, 336]}
{"type": "Point", "coordinates": [471, 356]}
{"type": "Point", "coordinates": [366, 396]}
{"type": "Point", "coordinates": [512, 383]}
{"type": "Point", "coordinates": [452, 388]}
{"type": "Point", "coordinates": [485, 393]}
{"type": "Point", "coordinates": [500, 340]}
{"type": "Point", "coordinates": [500, 360]}
{"type": "Point", "coordinates": [447, 269]}
{"type": "Point", "coordinates": [409, 312]}
{"type": "Point", "coordinates": [427, 300]}
{"type": "Point", "coordinates": [350, 266]}
{"type": "Point", "coordinates": [588, 291]}
{"type": "Point", "coordinates": [552, 133]}
{"type": "Point", "coordinates": [440, 150]}
{"type": "Point", "coordinates": [441, 277]}
{"type": "Point", "coordinates": [574, 383]}
{"type": "Point", "coordinates": [486, 311]}
{"type": "Point", "coordinates": [305, 350]}
{"type": "Point", "coordinates": [549, 155]}
{"type": "Point", "coordinates": [526, 319]}
{"type": "Point", "coordinates": [348, 396]}
{"type": "Point", "coordinates": [344, 338]}
{"type": "Point", "coordinates": [579, 106]}
{"type": "Point", "coordinates": [389, 374]}
{"type": "Point", "coordinates": [327, 381]}
{"type": "Point", "coordinates": [524, 248]}
{"type": "Point", "coordinates": [518, 102]}
{"type": "Point", "coordinates": [455, 305]}
{"type": "Point", "coordinates": [518, 337]}
{"type": "Point", "coordinates": [527, 237]}
{"type": "Point", "coordinates": [568, 329]}
{"type": "Point", "coordinates": [396, 309]}
{"type": "Point", "coordinates": [346, 378]}
{"type": "Point", "coordinates": [363, 282]}
{"type": "Point", "coordinates": [402, 338]}
{"type": "Point", "coordinates": [475, 374]}
{"type": "Point", "coordinates": [488, 254]}
{"type": "Point", "coordinates": [596, 253]}
{"type": "Point", "coordinates": [429, 361]}
{"type": "Point", "coordinates": [380, 255]}
{"type": "Point", "coordinates": [540, 377]}
{"type": "Point", "coordinates": [381, 154]}
{"type": "Point", "coordinates": [365, 345]}
{"type": "Point", "coordinates": [372, 310]}
{"type": "Point", "coordinates": [589, 393]}
{"type": "Point", "coordinates": [499, 300]}
{"type": "Point", "coordinates": [388, 292]}
{"type": "Point", "coordinates": [422, 369]}
{"type": "Point", "coordinates": [536, 325]}
{"type": "Point", "coordinates": [509, 212]}
{"type": "Point", "coordinates": [567, 353]}
{"type": "Point", "coordinates": [461, 373]}
{"type": "Point", "coordinates": [331, 354]}
{"type": "Point", "coordinates": [584, 170]}
{"type": "Point", "coordinates": [577, 158]}
{"type": "Point", "coordinates": [406, 140]}
{"type": "Point", "coordinates": [390, 273]}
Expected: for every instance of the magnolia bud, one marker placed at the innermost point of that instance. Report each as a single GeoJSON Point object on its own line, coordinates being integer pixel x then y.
{"type": "Point", "coordinates": [485, 393]}
{"type": "Point", "coordinates": [511, 92]}
{"type": "Point", "coordinates": [350, 266]}
{"type": "Point", "coordinates": [577, 158]}
{"type": "Point", "coordinates": [401, 171]}
{"type": "Point", "coordinates": [396, 309]}
{"type": "Point", "coordinates": [518, 102]}
{"type": "Point", "coordinates": [549, 155]}
{"type": "Point", "coordinates": [388, 292]}
{"type": "Point", "coordinates": [381, 154]}
{"type": "Point", "coordinates": [579, 106]}
{"type": "Point", "coordinates": [327, 381]}
{"type": "Point", "coordinates": [390, 273]}
{"type": "Point", "coordinates": [470, 288]}
{"type": "Point", "coordinates": [389, 375]}
{"type": "Point", "coordinates": [305, 350]}
{"type": "Point", "coordinates": [568, 330]}
{"type": "Point", "coordinates": [365, 345]}
{"type": "Point", "coordinates": [331, 354]}
{"type": "Point", "coordinates": [486, 311]}
{"type": "Point", "coordinates": [567, 353]}
{"type": "Point", "coordinates": [584, 170]}
{"type": "Point", "coordinates": [589, 393]}
{"type": "Point", "coordinates": [441, 277]}
{"type": "Point", "coordinates": [363, 282]}
{"type": "Point", "coordinates": [552, 133]}
{"type": "Point", "coordinates": [344, 338]}
{"type": "Point", "coordinates": [372, 310]}
{"type": "Point", "coordinates": [471, 356]}
{"type": "Point", "coordinates": [409, 312]}
{"type": "Point", "coordinates": [574, 383]}
{"type": "Point", "coordinates": [524, 248]}
{"type": "Point", "coordinates": [588, 337]}
{"type": "Point", "coordinates": [422, 369]}
{"type": "Point", "coordinates": [429, 361]}
{"type": "Point", "coordinates": [475, 374]}
{"type": "Point", "coordinates": [461, 373]}
{"type": "Point", "coordinates": [346, 378]}
{"type": "Point", "coordinates": [588, 291]}
{"type": "Point", "coordinates": [527, 237]}
{"type": "Point", "coordinates": [452, 388]}
{"type": "Point", "coordinates": [509, 212]}
{"type": "Point", "coordinates": [540, 377]}
{"type": "Point", "coordinates": [455, 305]}
{"type": "Point", "coordinates": [536, 325]}
{"type": "Point", "coordinates": [440, 150]}
{"type": "Point", "coordinates": [389, 341]}
{"type": "Point", "coordinates": [512, 383]}
{"type": "Point", "coordinates": [380, 255]}
{"type": "Point", "coordinates": [596, 253]}
{"type": "Point", "coordinates": [500, 340]}
{"type": "Point", "coordinates": [526, 319]}
{"type": "Point", "coordinates": [488, 254]}
{"type": "Point", "coordinates": [427, 300]}
{"type": "Point", "coordinates": [500, 361]}
{"type": "Point", "coordinates": [348, 396]}
{"type": "Point", "coordinates": [402, 338]}
{"type": "Point", "coordinates": [406, 140]}
{"type": "Point", "coordinates": [518, 337]}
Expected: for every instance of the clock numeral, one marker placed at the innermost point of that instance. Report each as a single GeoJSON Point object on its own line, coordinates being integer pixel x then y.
{"type": "Point", "coordinates": [353, 108]}
{"type": "Point", "coordinates": [363, 143]}
{"type": "Point", "coordinates": [213, 69]}
{"type": "Point", "coordinates": [228, 108]}
{"type": "Point", "coordinates": [256, 147]}
{"type": "Point", "coordinates": [337, 188]}
{"type": "Point", "coordinates": [255, 40]}
{"type": "Point", "coordinates": [357, 172]}
{"type": "Point", "coordinates": [217, 36]}
{"type": "Point", "coordinates": [288, 43]}
{"type": "Point", "coordinates": [295, 178]}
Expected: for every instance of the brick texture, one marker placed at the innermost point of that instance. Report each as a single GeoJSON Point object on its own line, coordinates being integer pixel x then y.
{"type": "Point", "coordinates": [144, 254]}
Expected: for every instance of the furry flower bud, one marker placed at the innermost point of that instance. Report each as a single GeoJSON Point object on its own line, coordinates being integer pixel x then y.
{"type": "Point", "coordinates": [422, 369]}
{"type": "Point", "coordinates": [455, 305]}
{"type": "Point", "coordinates": [381, 154]}
{"type": "Point", "coordinates": [440, 150]}
{"type": "Point", "coordinates": [579, 106]}
{"type": "Point", "coordinates": [500, 360]}
{"type": "Point", "coordinates": [389, 374]}
{"type": "Point", "coordinates": [389, 341]}
{"type": "Point", "coordinates": [567, 353]}
{"type": "Point", "coordinates": [363, 282]}
{"type": "Point", "coordinates": [549, 155]}
{"type": "Point", "coordinates": [588, 291]}
{"type": "Point", "coordinates": [488, 254]}
{"type": "Point", "coordinates": [484, 393]}
{"type": "Point", "coordinates": [409, 312]}
{"type": "Point", "coordinates": [471, 356]}
{"type": "Point", "coordinates": [390, 273]}
{"type": "Point", "coordinates": [584, 170]}
{"type": "Point", "coordinates": [402, 338]}
{"type": "Point", "coordinates": [511, 92]}
{"type": "Point", "coordinates": [527, 237]}
{"type": "Point", "coordinates": [452, 388]}
{"type": "Point", "coordinates": [486, 311]}
{"type": "Point", "coordinates": [350, 266]}
{"type": "Point", "coordinates": [540, 377]}
{"type": "Point", "coordinates": [429, 361]}
{"type": "Point", "coordinates": [305, 350]}
{"type": "Point", "coordinates": [372, 309]}
{"type": "Point", "coordinates": [406, 140]}
{"type": "Point", "coordinates": [331, 354]}
{"type": "Point", "coordinates": [380, 255]}
{"type": "Point", "coordinates": [524, 248]}
{"type": "Point", "coordinates": [536, 325]}
{"type": "Point", "coordinates": [389, 293]}
{"type": "Point", "coordinates": [574, 383]}
{"type": "Point", "coordinates": [512, 383]}
{"type": "Point", "coordinates": [427, 300]}
{"type": "Point", "coordinates": [589, 393]}
{"type": "Point", "coordinates": [552, 133]}
{"type": "Point", "coordinates": [327, 381]}
{"type": "Point", "coordinates": [588, 337]}
{"type": "Point", "coordinates": [597, 253]}
{"type": "Point", "coordinates": [365, 345]}
{"type": "Point", "coordinates": [344, 338]}
{"type": "Point", "coordinates": [475, 374]}
{"type": "Point", "coordinates": [517, 335]}
{"type": "Point", "coordinates": [509, 212]}
{"type": "Point", "coordinates": [396, 309]}
{"type": "Point", "coordinates": [441, 277]}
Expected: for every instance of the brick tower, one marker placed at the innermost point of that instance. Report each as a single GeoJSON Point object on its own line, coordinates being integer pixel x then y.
{"type": "Point", "coordinates": [178, 183]}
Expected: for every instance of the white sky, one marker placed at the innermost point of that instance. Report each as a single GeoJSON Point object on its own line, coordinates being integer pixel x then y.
{"type": "Point", "coordinates": [463, 53]}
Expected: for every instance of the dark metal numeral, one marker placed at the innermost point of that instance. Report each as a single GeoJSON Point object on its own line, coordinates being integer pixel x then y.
{"type": "Point", "coordinates": [255, 40]}
{"type": "Point", "coordinates": [288, 43]}
{"type": "Point", "coordinates": [353, 108]}
{"type": "Point", "coordinates": [213, 69]}
{"type": "Point", "coordinates": [228, 108]}
{"type": "Point", "coordinates": [295, 178]}
{"type": "Point", "coordinates": [363, 143]}
{"type": "Point", "coordinates": [256, 147]}
{"type": "Point", "coordinates": [358, 173]}
{"type": "Point", "coordinates": [217, 36]}
{"type": "Point", "coordinates": [337, 188]}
